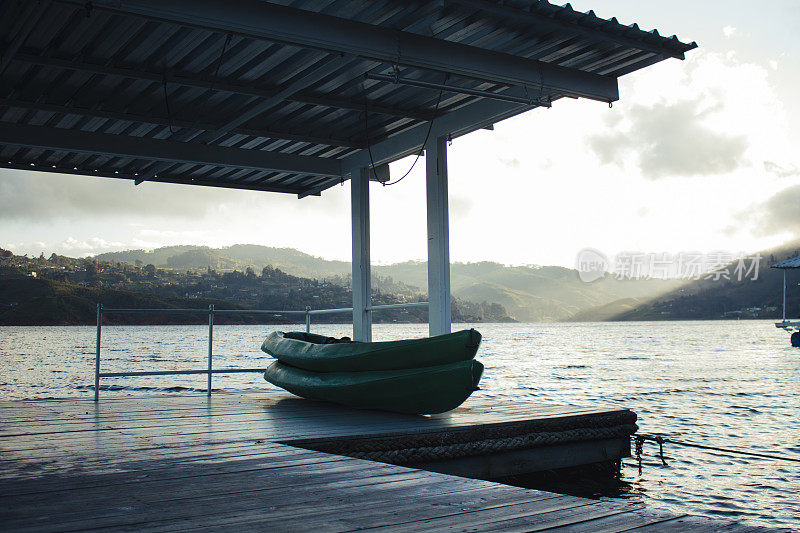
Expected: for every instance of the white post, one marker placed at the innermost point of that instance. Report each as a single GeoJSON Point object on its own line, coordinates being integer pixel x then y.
{"type": "Point", "coordinates": [784, 295]}
{"type": "Point", "coordinates": [210, 345]}
{"type": "Point", "coordinates": [359, 203]}
{"type": "Point", "coordinates": [97, 354]}
{"type": "Point", "coordinates": [438, 237]}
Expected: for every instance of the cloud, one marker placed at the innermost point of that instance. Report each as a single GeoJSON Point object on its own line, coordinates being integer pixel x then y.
{"type": "Point", "coordinates": [70, 246]}
{"type": "Point", "coordinates": [512, 162]}
{"type": "Point", "coordinates": [781, 171]}
{"type": "Point", "coordinates": [729, 31]}
{"type": "Point", "coordinates": [707, 123]}
{"type": "Point", "coordinates": [26, 195]}
{"type": "Point", "coordinates": [91, 245]}
{"type": "Point", "coordinates": [460, 205]}
{"type": "Point", "coordinates": [671, 139]}
{"type": "Point", "coordinates": [778, 214]}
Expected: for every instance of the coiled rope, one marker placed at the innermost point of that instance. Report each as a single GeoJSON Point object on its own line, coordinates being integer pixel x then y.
{"type": "Point", "coordinates": [450, 444]}
{"type": "Point", "coordinates": [490, 446]}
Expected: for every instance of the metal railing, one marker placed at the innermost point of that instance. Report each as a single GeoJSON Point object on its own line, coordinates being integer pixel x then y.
{"type": "Point", "coordinates": [211, 312]}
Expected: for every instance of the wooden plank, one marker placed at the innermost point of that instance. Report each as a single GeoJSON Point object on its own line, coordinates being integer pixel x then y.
{"type": "Point", "coordinates": [583, 517]}
{"type": "Point", "coordinates": [136, 507]}
{"type": "Point", "coordinates": [359, 507]}
{"type": "Point", "coordinates": [245, 502]}
{"type": "Point", "coordinates": [302, 408]}
{"type": "Point", "coordinates": [287, 407]}
{"type": "Point", "coordinates": [347, 422]}
{"type": "Point", "coordinates": [138, 438]}
{"type": "Point", "coordinates": [151, 403]}
{"type": "Point", "coordinates": [305, 410]}
{"type": "Point", "coordinates": [187, 462]}
{"type": "Point", "coordinates": [619, 522]}
{"type": "Point", "coordinates": [27, 490]}
{"type": "Point", "coordinates": [98, 465]}
{"type": "Point", "coordinates": [417, 515]}
{"type": "Point", "coordinates": [185, 451]}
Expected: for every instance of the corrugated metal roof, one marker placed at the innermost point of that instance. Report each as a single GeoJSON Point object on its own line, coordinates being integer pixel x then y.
{"type": "Point", "coordinates": [794, 262]}
{"type": "Point", "coordinates": [161, 99]}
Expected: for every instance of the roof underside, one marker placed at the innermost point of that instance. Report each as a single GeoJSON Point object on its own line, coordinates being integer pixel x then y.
{"type": "Point", "coordinates": [286, 96]}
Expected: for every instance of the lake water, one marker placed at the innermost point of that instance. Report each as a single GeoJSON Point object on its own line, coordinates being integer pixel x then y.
{"type": "Point", "coordinates": [730, 384]}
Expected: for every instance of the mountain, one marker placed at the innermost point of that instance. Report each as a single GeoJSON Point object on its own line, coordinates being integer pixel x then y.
{"type": "Point", "coordinates": [32, 301]}
{"type": "Point", "coordinates": [62, 290]}
{"type": "Point", "coordinates": [236, 257]}
{"type": "Point", "coordinates": [727, 296]}
{"type": "Point", "coordinates": [529, 293]}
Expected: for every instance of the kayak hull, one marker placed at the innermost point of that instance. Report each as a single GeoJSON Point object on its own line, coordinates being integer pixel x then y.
{"type": "Point", "coordinates": [424, 390]}
{"type": "Point", "coordinates": [323, 354]}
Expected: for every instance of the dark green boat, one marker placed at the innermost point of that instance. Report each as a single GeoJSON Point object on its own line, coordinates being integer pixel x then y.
{"type": "Point", "coordinates": [425, 390]}
{"type": "Point", "coordinates": [326, 354]}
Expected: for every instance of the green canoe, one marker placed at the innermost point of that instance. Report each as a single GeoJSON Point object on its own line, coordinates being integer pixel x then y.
{"type": "Point", "coordinates": [426, 390]}
{"type": "Point", "coordinates": [326, 354]}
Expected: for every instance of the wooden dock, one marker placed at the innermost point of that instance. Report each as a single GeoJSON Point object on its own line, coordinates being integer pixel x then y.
{"type": "Point", "coordinates": [241, 461]}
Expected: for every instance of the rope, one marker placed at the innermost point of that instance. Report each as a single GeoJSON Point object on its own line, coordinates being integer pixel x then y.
{"type": "Point", "coordinates": [489, 446]}
{"type": "Point", "coordinates": [448, 444]}
{"type": "Point", "coordinates": [661, 441]}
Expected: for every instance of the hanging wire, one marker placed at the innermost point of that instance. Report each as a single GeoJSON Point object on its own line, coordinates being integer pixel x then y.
{"type": "Point", "coordinates": [166, 102]}
{"type": "Point", "coordinates": [212, 88]}
{"type": "Point", "coordinates": [422, 148]}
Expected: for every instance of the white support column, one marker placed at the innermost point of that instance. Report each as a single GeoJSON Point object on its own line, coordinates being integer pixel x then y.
{"type": "Point", "coordinates": [359, 204]}
{"type": "Point", "coordinates": [438, 237]}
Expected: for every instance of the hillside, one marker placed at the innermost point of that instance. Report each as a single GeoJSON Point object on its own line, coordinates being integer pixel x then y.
{"type": "Point", "coordinates": [236, 257]}
{"type": "Point", "coordinates": [65, 290]}
{"type": "Point", "coordinates": [31, 301]}
{"type": "Point", "coordinates": [529, 293]}
{"type": "Point", "coordinates": [716, 299]}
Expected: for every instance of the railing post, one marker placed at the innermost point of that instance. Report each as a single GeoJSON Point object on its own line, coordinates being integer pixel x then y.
{"type": "Point", "coordinates": [97, 354]}
{"type": "Point", "coordinates": [210, 343]}
{"type": "Point", "coordinates": [308, 319]}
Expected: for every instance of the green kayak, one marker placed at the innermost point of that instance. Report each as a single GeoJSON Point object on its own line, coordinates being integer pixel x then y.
{"type": "Point", "coordinates": [327, 354]}
{"type": "Point", "coordinates": [426, 390]}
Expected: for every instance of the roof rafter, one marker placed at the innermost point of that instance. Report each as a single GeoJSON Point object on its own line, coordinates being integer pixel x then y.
{"type": "Point", "coordinates": [33, 12]}
{"type": "Point", "coordinates": [262, 20]}
{"type": "Point", "coordinates": [551, 23]}
{"type": "Point", "coordinates": [475, 116]}
{"type": "Point", "coordinates": [177, 122]}
{"type": "Point", "coordinates": [221, 85]}
{"type": "Point", "coordinates": [102, 173]}
{"type": "Point", "coordinates": [162, 150]}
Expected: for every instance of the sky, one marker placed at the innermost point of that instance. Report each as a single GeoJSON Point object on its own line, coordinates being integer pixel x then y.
{"type": "Point", "coordinates": [698, 155]}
